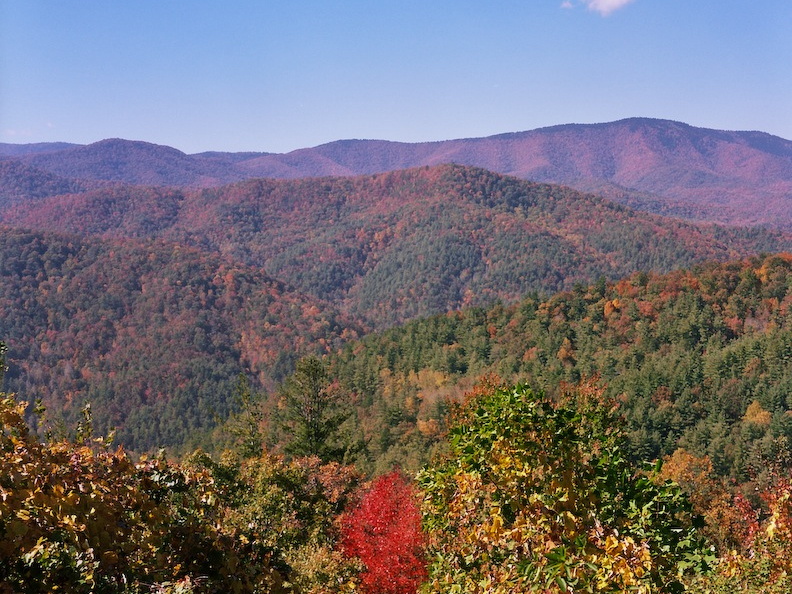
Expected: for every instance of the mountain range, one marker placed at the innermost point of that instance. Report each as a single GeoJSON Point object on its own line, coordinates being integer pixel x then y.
{"type": "Point", "coordinates": [170, 300]}
{"type": "Point", "coordinates": [146, 280]}
{"type": "Point", "coordinates": [738, 178]}
{"type": "Point", "coordinates": [390, 247]}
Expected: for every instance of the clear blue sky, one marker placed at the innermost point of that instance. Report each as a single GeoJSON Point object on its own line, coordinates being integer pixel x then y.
{"type": "Point", "coordinates": [272, 75]}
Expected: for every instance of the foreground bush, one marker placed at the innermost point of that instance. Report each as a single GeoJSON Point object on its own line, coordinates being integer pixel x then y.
{"type": "Point", "coordinates": [294, 508]}
{"type": "Point", "coordinates": [764, 566]}
{"type": "Point", "coordinates": [77, 517]}
{"type": "Point", "coordinates": [537, 496]}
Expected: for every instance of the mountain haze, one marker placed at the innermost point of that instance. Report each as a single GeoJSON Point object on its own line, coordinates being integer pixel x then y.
{"type": "Point", "coordinates": [656, 165]}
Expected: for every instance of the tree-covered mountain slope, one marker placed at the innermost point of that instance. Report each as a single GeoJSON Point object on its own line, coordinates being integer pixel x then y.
{"type": "Point", "coordinates": [394, 246]}
{"type": "Point", "coordinates": [23, 184]}
{"type": "Point", "coordinates": [153, 335]}
{"type": "Point", "coordinates": [657, 165]}
{"type": "Point", "coordinates": [699, 359]}
{"type": "Point", "coordinates": [134, 162]}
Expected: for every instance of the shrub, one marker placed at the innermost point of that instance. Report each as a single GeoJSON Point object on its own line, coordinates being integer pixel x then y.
{"type": "Point", "coordinates": [78, 517]}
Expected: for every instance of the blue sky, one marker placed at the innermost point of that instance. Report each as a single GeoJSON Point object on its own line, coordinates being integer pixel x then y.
{"type": "Point", "coordinates": [271, 75]}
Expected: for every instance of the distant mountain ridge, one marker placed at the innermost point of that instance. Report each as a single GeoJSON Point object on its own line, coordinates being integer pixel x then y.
{"type": "Point", "coordinates": [133, 162]}
{"type": "Point", "coordinates": [15, 150]}
{"type": "Point", "coordinates": [662, 166]}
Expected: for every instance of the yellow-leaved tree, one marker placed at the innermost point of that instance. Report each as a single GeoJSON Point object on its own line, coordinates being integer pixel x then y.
{"type": "Point", "coordinates": [537, 496]}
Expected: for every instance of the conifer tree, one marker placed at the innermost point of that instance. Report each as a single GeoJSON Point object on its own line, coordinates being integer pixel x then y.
{"type": "Point", "coordinates": [311, 412]}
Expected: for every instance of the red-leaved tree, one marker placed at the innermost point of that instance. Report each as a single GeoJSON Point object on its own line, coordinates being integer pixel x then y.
{"type": "Point", "coordinates": [384, 532]}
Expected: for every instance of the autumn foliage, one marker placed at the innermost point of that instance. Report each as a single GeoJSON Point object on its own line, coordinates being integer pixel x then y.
{"type": "Point", "coordinates": [79, 517]}
{"type": "Point", "coordinates": [764, 565]}
{"type": "Point", "coordinates": [536, 496]}
{"type": "Point", "coordinates": [384, 532]}
{"type": "Point", "coordinates": [731, 521]}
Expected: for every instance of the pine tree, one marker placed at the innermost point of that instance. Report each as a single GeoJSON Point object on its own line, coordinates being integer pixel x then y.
{"type": "Point", "coordinates": [311, 412]}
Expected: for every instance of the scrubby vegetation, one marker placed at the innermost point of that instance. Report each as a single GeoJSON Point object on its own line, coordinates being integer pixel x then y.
{"type": "Point", "coordinates": [534, 494]}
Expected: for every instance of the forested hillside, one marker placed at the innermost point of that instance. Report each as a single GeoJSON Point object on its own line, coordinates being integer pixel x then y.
{"type": "Point", "coordinates": [153, 335]}
{"type": "Point", "coordinates": [8, 149]}
{"type": "Point", "coordinates": [395, 246]}
{"type": "Point", "coordinates": [531, 492]}
{"type": "Point", "coordinates": [133, 162]}
{"type": "Point", "coordinates": [22, 184]}
{"type": "Point", "coordinates": [656, 165]}
{"type": "Point", "coordinates": [152, 305]}
{"type": "Point", "coordinates": [698, 359]}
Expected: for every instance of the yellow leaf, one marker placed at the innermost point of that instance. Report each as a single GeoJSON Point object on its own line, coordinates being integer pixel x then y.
{"type": "Point", "coordinates": [771, 527]}
{"type": "Point", "coordinates": [612, 545]}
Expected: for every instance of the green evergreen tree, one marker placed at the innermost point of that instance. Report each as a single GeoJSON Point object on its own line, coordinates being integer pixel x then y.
{"type": "Point", "coordinates": [245, 427]}
{"type": "Point", "coordinates": [311, 412]}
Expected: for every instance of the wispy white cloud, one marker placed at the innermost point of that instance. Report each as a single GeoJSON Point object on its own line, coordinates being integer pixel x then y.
{"type": "Point", "coordinates": [604, 7]}
{"type": "Point", "coordinates": [14, 133]}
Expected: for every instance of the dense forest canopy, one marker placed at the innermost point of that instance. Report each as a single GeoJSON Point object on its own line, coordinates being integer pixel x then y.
{"type": "Point", "coordinates": [158, 350]}
{"type": "Point", "coordinates": [698, 359]}
{"type": "Point", "coordinates": [153, 321]}
{"type": "Point", "coordinates": [400, 245]}
{"type": "Point", "coordinates": [154, 335]}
